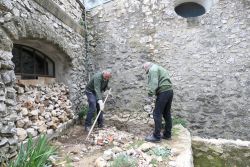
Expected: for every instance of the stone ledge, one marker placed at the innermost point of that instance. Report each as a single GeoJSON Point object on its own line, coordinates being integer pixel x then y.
{"type": "Point", "coordinates": [62, 128]}
{"type": "Point", "coordinates": [220, 152]}
{"type": "Point", "coordinates": [61, 15]}
{"type": "Point", "coordinates": [57, 132]}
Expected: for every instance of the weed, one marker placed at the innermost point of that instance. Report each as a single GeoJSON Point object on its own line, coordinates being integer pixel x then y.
{"type": "Point", "coordinates": [124, 161]}
{"type": "Point", "coordinates": [154, 162]}
{"type": "Point", "coordinates": [83, 112]}
{"type": "Point", "coordinates": [178, 120]}
{"type": "Point", "coordinates": [81, 22]}
{"type": "Point", "coordinates": [34, 154]}
{"type": "Point", "coordinates": [160, 151]}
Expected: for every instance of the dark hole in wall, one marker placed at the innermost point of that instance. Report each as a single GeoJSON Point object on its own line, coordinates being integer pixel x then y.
{"type": "Point", "coordinates": [190, 9]}
{"type": "Point", "coordinates": [30, 63]}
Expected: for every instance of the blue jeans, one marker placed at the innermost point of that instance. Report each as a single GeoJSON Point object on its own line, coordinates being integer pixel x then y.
{"type": "Point", "coordinates": [162, 108]}
{"type": "Point", "coordinates": [93, 107]}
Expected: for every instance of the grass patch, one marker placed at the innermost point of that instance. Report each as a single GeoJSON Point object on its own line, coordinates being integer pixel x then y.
{"type": "Point", "coordinates": [178, 120]}
{"type": "Point", "coordinates": [160, 151]}
{"type": "Point", "coordinates": [124, 161]}
{"type": "Point", "coordinates": [154, 162]}
{"type": "Point", "coordinates": [34, 154]}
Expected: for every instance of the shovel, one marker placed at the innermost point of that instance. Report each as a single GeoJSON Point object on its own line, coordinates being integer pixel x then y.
{"type": "Point", "coordinates": [91, 129]}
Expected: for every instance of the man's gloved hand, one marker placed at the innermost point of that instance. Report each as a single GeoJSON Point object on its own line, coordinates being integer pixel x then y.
{"type": "Point", "coordinates": [101, 104]}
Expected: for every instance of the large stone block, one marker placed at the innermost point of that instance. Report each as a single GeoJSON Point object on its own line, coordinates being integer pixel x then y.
{"type": "Point", "coordinates": [220, 152]}
{"type": "Point", "coordinates": [8, 77]}
{"type": "Point", "coordinates": [8, 130]}
{"type": "Point", "coordinates": [5, 55]}
{"type": "Point", "coordinates": [2, 108]}
{"type": "Point", "coordinates": [5, 42]}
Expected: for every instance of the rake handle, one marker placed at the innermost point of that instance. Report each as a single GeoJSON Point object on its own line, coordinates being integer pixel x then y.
{"type": "Point", "coordinates": [97, 116]}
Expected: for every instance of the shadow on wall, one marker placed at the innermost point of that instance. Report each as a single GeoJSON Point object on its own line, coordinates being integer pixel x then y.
{"type": "Point", "coordinates": [62, 62]}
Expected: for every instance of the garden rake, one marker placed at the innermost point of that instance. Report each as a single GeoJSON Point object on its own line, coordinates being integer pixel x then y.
{"type": "Point", "coordinates": [97, 116]}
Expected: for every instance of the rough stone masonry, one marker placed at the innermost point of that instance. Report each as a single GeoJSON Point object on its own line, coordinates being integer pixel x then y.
{"type": "Point", "coordinates": [57, 35]}
{"type": "Point", "coordinates": [207, 57]}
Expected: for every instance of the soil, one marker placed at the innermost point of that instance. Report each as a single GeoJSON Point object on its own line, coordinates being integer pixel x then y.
{"type": "Point", "coordinates": [75, 151]}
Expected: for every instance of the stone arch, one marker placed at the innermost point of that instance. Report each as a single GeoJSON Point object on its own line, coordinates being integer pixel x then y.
{"type": "Point", "coordinates": [44, 39]}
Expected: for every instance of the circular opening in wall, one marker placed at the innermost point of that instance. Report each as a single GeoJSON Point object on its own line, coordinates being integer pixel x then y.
{"type": "Point", "coordinates": [190, 9]}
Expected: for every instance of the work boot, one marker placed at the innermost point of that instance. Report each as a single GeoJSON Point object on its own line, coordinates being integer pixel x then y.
{"type": "Point", "coordinates": [100, 126]}
{"type": "Point", "coordinates": [166, 137]}
{"type": "Point", "coordinates": [152, 138]}
{"type": "Point", "coordinates": [87, 128]}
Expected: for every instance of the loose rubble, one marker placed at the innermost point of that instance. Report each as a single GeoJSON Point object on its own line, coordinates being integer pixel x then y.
{"type": "Point", "coordinates": [42, 109]}
{"type": "Point", "coordinates": [109, 146]}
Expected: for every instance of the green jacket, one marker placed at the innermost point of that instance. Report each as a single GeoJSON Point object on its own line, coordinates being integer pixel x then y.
{"type": "Point", "coordinates": [158, 80]}
{"type": "Point", "coordinates": [97, 84]}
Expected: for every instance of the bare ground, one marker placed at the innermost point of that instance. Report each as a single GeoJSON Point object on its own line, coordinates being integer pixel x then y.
{"type": "Point", "coordinates": [74, 150]}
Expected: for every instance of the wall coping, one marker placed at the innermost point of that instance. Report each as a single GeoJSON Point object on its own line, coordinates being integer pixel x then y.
{"type": "Point", "coordinates": [61, 15]}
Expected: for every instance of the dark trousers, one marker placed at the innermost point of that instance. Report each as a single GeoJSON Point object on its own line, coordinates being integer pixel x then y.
{"type": "Point", "coordinates": [162, 108]}
{"type": "Point", "coordinates": [93, 107]}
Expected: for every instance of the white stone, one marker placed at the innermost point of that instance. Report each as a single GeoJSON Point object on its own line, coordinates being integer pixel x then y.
{"type": "Point", "coordinates": [75, 159]}
{"type": "Point", "coordinates": [100, 162]}
{"type": "Point", "coordinates": [16, 12]}
{"type": "Point", "coordinates": [107, 155]}
{"type": "Point", "coordinates": [2, 107]}
{"type": "Point", "coordinates": [32, 132]}
{"type": "Point", "coordinates": [20, 123]}
{"type": "Point", "coordinates": [24, 111]}
{"type": "Point", "coordinates": [148, 108]}
{"type": "Point", "coordinates": [50, 131]}
{"type": "Point", "coordinates": [21, 134]}
{"type": "Point", "coordinates": [147, 146]}
{"type": "Point", "coordinates": [34, 113]}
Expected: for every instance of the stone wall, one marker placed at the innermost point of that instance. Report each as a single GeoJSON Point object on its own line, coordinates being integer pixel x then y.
{"type": "Point", "coordinates": [207, 57]}
{"type": "Point", "coordinates": [220, 152]}
{"type": "Point", "coordinates": [71, 7]}
{"type": "Point", "coordinates": [27, 23]}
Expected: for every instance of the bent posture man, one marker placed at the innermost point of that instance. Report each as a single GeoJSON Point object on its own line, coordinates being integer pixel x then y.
{"type": "Point", "coordinates": [160, 85]}
{"type": "Point", "coordinates": [94, 89]}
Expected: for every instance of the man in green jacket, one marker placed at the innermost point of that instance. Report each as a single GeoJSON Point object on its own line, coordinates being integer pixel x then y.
{"type": "Point", "coordinates": [160, 85]}
{"type": "Point", "coordinates": [94, 89]}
